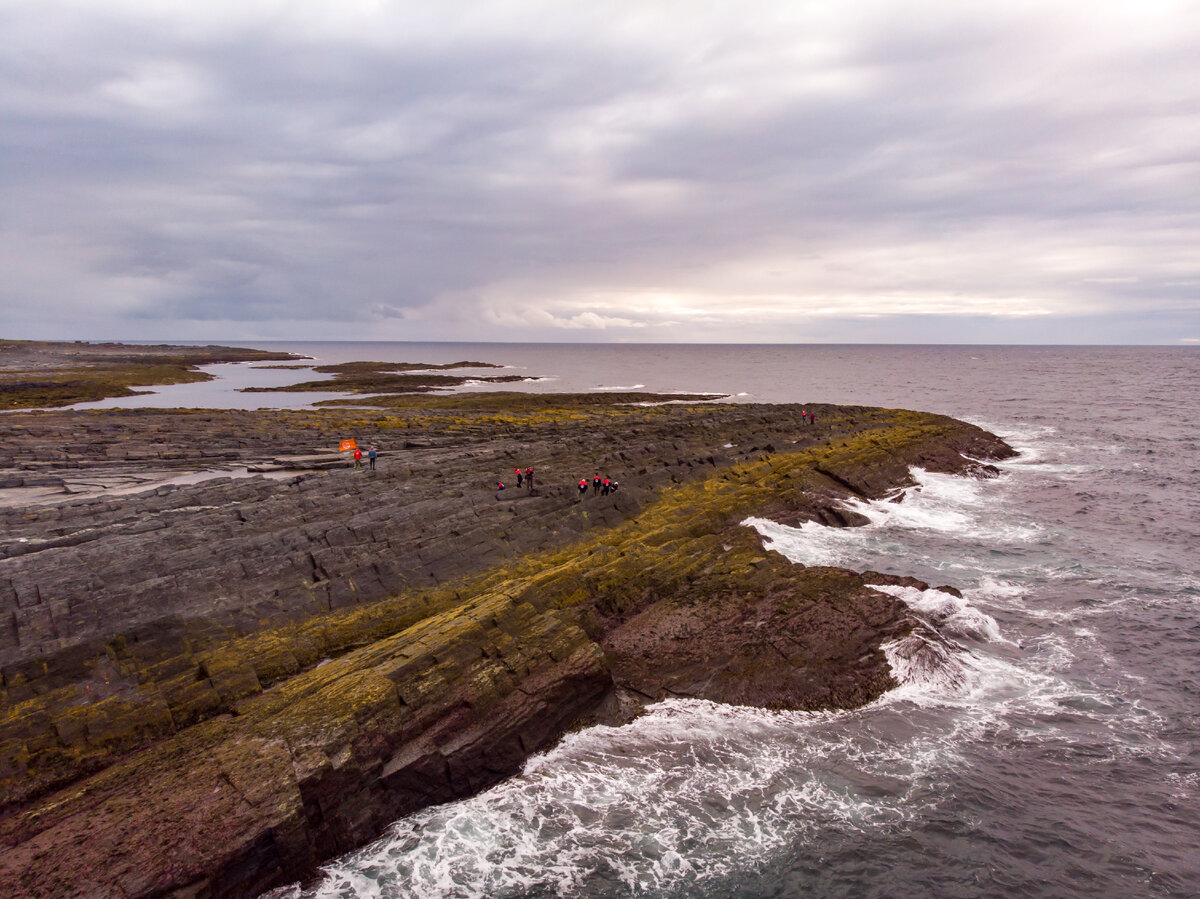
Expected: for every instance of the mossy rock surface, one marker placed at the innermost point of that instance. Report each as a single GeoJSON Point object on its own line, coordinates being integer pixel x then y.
{"type": "Point", "coordinates": [304, 660]}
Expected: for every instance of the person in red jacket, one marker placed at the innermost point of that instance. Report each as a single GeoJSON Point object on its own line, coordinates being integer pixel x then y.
{"type": "Point", "coordinates": [357, 458]}
{"type": "Point", "coordinates": [582, 487]}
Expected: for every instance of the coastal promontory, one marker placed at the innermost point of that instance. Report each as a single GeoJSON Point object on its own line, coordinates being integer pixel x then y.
{"type": "Point", "coordinates": [229, 654]}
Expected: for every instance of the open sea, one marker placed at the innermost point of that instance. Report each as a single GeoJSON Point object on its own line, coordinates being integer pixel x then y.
{"type": "Point", "coordinates": [1054, 752]}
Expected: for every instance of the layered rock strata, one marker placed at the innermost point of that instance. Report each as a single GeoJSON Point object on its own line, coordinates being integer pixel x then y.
{"type": "Point", "coordinates": [210, 688]}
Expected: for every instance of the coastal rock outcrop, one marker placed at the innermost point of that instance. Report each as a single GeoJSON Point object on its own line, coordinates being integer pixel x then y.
{"type": "Point", "coordinates": [45, 373]}
{"type": "Point", "coordinates": [211, 687]}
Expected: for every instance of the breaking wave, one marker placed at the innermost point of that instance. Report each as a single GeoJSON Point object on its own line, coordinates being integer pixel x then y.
{"type": "Point", "coordinates": [941, 523]}
{"type": "Point", "coordinates": [952, 615]}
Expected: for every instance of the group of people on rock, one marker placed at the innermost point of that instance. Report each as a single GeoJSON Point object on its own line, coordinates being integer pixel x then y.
{"type": "Point", "coordinates": [600, 486]}
{"type": "Point", "coordinates": [371, 456]}
{"type": "Point", "coordinates": [523, 478]}
{"type": "Point", "coordinates": [808, 418]}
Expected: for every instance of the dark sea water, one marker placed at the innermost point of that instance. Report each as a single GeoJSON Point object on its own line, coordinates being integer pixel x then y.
{"type": "Point", "coordinates": [1054, 752]}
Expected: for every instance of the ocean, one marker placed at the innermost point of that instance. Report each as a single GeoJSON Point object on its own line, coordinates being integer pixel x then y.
{"type": "Point", "coordinates": [1054, 752]}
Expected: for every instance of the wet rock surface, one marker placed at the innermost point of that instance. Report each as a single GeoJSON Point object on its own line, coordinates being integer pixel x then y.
{"type": "Point", "coordinates": [211, 687]}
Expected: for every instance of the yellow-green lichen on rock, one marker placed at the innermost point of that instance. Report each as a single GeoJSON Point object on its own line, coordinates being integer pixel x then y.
{"type": "Point", "coordinates": [256, 755]}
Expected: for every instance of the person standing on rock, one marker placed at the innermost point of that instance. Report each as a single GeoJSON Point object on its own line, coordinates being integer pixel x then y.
{"type": "Point", "coordinates": [595, 485]}
{"type": "Point", "coordinates": [604, 488]}
{"type": "Point", "coordinates": [582, 487]}
{"type": "Point", "coordinates": [357, 458]}
{"type": "Point", "coordinates": [528, 479]}
{"type": "Point", "coordinates": [519, 476]}
{"type": "Point", "coordinates": [371, 454]}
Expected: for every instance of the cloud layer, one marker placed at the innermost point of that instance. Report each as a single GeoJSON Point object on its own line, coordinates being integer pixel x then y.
{"type": "Point", "coordinates": [664, 171]}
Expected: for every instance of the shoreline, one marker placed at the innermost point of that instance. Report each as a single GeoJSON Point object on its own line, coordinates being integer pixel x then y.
{"type": "Point", "coordinates": [270, 672]}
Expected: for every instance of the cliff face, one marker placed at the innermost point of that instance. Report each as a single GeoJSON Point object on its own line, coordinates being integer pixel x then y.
{"type": "Point", "coordinates": [212, 688]}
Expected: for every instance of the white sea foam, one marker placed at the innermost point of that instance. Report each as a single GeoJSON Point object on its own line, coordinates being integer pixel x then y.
{"type": "Point", "coordinates": [938, 512]}
{"type": "Point", "coordinates": [924, 667]}
{"type": "Point", "coordinates": [951, 615]}
{"type": "Point", "coordinates": [949, 504]}
{"type": "Point", "coordinates": [687, 794]}
{"type": "Point", "coordinates": [694, 792]}
{"type": "Point", "coordinates": [811, 543]}
{"type": "Point", "coordinates": [996, 588]}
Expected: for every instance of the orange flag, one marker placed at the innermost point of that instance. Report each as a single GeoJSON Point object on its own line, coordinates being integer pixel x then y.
{"type": "Point", "coordinates": [347, 445]}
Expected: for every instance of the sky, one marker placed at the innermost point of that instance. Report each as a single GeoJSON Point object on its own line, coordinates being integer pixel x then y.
{"type": "Point", "coordinates": [648, 171]}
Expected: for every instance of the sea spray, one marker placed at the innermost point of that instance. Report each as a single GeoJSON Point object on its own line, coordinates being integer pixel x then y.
{"type": "Point", "coordinates": [952, 615]}
{"type": "Point", "coordinates": [944, 526]}
{"type": "Point", "coordinates": [688, 797]}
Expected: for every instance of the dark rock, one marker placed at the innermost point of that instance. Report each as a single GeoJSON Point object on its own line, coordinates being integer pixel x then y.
{"type": "Point", "coordinates": [235, 679]}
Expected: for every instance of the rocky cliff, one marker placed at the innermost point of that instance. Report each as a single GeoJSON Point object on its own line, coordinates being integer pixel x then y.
{"type": "Point", "coordinates": [210, 688]}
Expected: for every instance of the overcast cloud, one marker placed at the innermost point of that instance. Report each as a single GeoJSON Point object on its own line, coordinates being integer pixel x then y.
{"type": "Point", "coordinates": [652, 171]}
